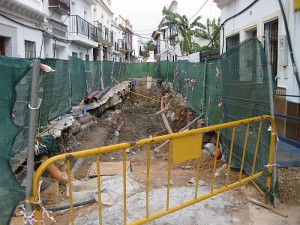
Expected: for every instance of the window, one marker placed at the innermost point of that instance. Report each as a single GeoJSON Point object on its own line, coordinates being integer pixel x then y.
{"type": "Point", "coordinates": [2, 46]}
{"type": "Point", "coordinates": [30, 51]}
{"type": "Point", "coordinates": [251, 33]}
{"type": "Point", "coordinates": [85, 13]}
{"type": "Point", "coordinates": [232, 41]}
{"type": "Point", "coordinates": [87, 57]}
{"type": "Point", "coordinates": [75, 54]}
{"type": "Point", "coordinates": [272, 27]}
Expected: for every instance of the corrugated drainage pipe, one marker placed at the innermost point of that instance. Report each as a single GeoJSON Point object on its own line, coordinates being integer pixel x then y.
{"type": "Point", "coordinates": [90, 97]}
{"type": "Point", "coordinates": [55, 173]}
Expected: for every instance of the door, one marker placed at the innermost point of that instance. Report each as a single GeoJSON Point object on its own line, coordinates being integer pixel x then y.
{"type": "Point", "coordinates": [2, 45]}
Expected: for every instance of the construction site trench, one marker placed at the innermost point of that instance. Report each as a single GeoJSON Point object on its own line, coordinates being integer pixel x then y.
{"type": "Point", "coordinates": [136, 117]}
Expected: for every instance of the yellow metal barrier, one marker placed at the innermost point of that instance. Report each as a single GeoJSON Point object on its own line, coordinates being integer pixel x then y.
{"type": "Point", "coordinates": [193, 139]}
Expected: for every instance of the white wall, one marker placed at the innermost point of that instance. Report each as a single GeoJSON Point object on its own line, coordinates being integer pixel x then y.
{"type": "Point", "coordinates": [256, 16]}
{"type": "Point", "coordinates": [36, 4]}
{"type": "Point", "coordinates": [101, 14]}
{"type": "Point", "coordinates": [24, 33]}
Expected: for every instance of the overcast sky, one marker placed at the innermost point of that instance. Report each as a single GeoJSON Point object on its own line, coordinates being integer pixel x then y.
{"type": "Point", "coordinates": [145, 15]}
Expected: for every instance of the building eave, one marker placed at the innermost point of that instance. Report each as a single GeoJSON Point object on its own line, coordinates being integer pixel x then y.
{"type": "Point", "coordinates": [18, 8]}
{"type": "Point", "coordinates": [222, 3]}
{"type": "Point", "coordinates": [155, 35]}
{"type": "Point", "coordinates": [106, 7]}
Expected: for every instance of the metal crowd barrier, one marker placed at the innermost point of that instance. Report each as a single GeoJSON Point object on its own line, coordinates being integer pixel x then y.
{"type": "Point", "coordinates": [183, 146]}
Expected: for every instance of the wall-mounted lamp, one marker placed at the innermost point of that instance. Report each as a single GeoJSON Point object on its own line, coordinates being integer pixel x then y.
{"type": "Point", "coordinates": [123, 37]}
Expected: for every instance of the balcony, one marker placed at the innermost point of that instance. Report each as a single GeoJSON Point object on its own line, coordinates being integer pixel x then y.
{"type": "Point", "coordinates": [83, 32]}
{"type": "Point", "coordinates": [105, 37]}
{"type": "Point", "coordinates": [60, 6]}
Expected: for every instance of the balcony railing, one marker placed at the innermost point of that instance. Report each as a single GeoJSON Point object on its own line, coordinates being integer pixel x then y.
{"type": "Point", "coordinates": [105, 36]}
{"type": "Point", "coordinates": [99, 29]}
{"type": "Point", "coordinates": [111, 37]}
{"type": "Point", "coordinates": [82, 27]}
{"type": "Point", "coordinates": [61, 6]}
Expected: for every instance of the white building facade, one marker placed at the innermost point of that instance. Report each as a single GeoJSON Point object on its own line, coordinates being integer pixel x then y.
{"type": "Point", "coordinates": [21, 32]}
{"type": "Point", "coordinates": [56, 29]}
{"type": "Point", "coordinates": [168, 47]}
{"type": "Point", "coordinates": [118, 42]}
{"type": "Point", "coordinates": [256, 18]}
{"type": "Point", "coordinates": [102, 19]}
{"type": "Point", "coordinates": [266, 15]}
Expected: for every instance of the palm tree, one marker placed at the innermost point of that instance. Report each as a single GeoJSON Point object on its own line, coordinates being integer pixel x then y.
{"type": "Point", "coordinates": [185, 29]}
{"type": "Point", "coordinates": [149, 46]}
{"type": "Point", "coordinates": [211, 33]}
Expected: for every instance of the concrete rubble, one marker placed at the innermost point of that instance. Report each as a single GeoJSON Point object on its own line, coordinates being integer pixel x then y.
{"type": "Point", "coordinates": [111, 189]}
{"type": "Point", "coordinates": [112, 97]}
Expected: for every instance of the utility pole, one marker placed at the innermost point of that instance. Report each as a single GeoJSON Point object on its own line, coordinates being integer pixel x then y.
{"type": "Point", "coordinates": [269, 69]}
{"type": "Point", "coordinates": [33, 106]}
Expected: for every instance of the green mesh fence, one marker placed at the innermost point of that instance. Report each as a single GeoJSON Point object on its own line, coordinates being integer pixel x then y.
{"type": "Point", "coordinates": [139, 70]}
{"type": "Point", "coordinates": [194, 86]}
{"type": "Point", "coordinates": [56, 91]}
{"type": "Point", "coordinates": [78, 81]}
{"type": "Point", "coordinates": [117, 71]}
{"type": "Point", "coordinates": [152, 69]}
{"type": "Point", "coordinates": [181, 80]}
{"type": "Point", "coordinates": [21, 118]}
{"type": "Point", "coordinates": [245, 94]}
{"type": "Point", "coordinates": [213, 101]}
{"type": "Point", "coordinates": [108, 68]}
{"type": "Point", "coordinates": [92, 76]}
{"type": "Point", "coordinates": [11, 192]}
{"type": "Point", "coordinates": [165, 70]}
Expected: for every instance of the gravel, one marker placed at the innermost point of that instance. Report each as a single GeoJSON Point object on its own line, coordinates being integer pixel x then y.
{"type": "Point", "coordinates": [213, 211]}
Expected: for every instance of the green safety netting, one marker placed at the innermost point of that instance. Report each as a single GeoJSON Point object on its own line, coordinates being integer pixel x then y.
{"type": "Point", "coordinates": [78, 81]}
{"type": "Point", "coordinates": [55, 92]}
{"type": "Point", "coordinates": [92, 76]}
{"type": "Point", "coordinates": [21, 118]}
{"type": "Point", "coordinates": [165, 70]}
{"type": "Point", "coordinates": [108, 70]}
{"type": "Point", "coordinates": [213, 100]}
{"type": "Point", "coordinates": [151, 69]}
{"type": "Point", "coordinates": [139, 70]}
{"type": "Point", "coordinates": [11, 192]}
{"type": "Point", "coordinates": [194, 86]}
{"type": "Point", "coordinates": [117, 71]}
{"type": "Point", "coordinates": [245, 93]}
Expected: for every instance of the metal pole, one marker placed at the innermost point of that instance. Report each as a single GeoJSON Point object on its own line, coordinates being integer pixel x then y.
{"type": "Point", "coordinates": [204, 87]}
{"type": "Point", "coordinates": [269, 69]}
{"type": "Point", "coordinates": [33, 106]}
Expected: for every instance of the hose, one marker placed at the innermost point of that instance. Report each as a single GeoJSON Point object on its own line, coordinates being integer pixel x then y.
{"type": "Point", "coordinates": [225, 21]}
{"type": "Point", "coordinates": [74, 205]}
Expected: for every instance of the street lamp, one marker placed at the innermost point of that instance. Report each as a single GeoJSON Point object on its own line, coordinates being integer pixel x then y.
{"type": "Point", "coordinates": [122, 42]}
{"type": "Point", "coordinates": [123, 37]}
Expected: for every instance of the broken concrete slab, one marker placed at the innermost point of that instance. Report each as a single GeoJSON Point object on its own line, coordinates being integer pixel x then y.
{"type": "Point", "coordinates": [111, 189]}
{"type": "Point", "coordinates": [108, 168]}
{"type": "Point", "coordinates": [58, 125]}
{"type": "Point", "coordinates": [111, 98]}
